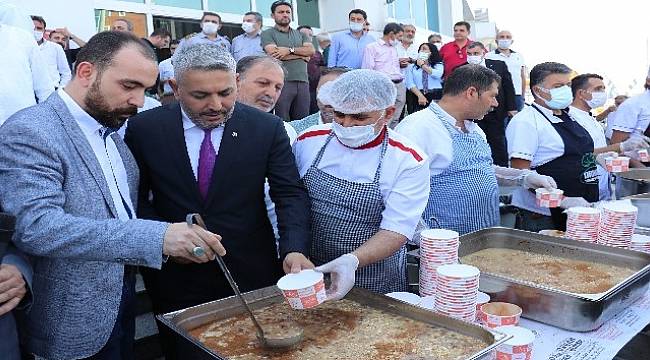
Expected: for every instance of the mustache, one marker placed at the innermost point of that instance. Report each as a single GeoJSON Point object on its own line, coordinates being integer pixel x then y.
{"type": "Point", "coordinates": [214, 113]}
{"type": "Point", "coordinates": [266, 98]}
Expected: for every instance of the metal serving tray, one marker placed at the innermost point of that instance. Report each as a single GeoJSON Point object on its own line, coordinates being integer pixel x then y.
{"type": "Point", "coordinates": [559, 308]}
{"type": "Point", "coordinates": [182, 321]}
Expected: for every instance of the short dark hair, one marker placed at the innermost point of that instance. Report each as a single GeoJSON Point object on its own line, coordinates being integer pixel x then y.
{"type": "Point", "coordinates": [470, 75]}
{"type": "Point", "coordinates": [258, 17]}
{"type": "Point", "coordinates": [463, 23]}
{"type": "Point", "coordinates": [280, 3]}
{"type": "Point", "coordinates": [539, 72]}
{"type": "Point", "coordinates": [304, 27]}
{"type": "Point", "coordinates": [580, 82]}
{"type": "Point", "coordinates": [210, 13]}
{"type": "Point", "coordinates": [162, 32]}
{"type": "Point", "coordinates": [101, 49]}
{"type": "Point", "coordinates": [244, 64]}
{"type": "Point", "coordinates": [174, 42]}
{"type": "Point", "coordinates": [360, 12]}
{"type": "Point", "coordinates": [393, 28]}
{"type": "Point", "coordinates": [39, 19]}
{"type": "Point", "coordinates": [474, 44]}
{"type": "Point", "coordinates": [432, 36]}
{"type": "Point", "coordinates": [338, 70]}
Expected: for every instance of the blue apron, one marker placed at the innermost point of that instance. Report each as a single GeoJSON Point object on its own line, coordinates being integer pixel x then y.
{"type": "Point", "coordinates": [465, 196]}
{"type": "Point", "coordinates": [344, 215]}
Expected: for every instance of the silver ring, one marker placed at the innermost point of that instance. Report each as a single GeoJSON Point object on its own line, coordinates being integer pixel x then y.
{"type": "Point", "coordinates": [198, 251]}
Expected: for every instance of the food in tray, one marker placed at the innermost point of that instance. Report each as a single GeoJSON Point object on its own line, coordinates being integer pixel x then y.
{"type": "Point", "coordinates": [574, 276]}
{"type": "Point", "coordinates": [338, 330]}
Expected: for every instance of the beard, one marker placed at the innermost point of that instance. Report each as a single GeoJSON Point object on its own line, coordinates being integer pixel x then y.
{"type": "Point", "coordinates": [197, 117]}
{"type": "Point", "coordinates": [101, 111]}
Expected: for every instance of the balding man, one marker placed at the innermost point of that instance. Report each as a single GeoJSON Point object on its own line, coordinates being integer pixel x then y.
{"type": "Point", "coordinates": [515, 62]}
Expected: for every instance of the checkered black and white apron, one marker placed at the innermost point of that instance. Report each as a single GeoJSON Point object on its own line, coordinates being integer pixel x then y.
{"type": "Point", "coordinates": [464, 197]}
{"type": "Point", "coordinates": [345, 215]}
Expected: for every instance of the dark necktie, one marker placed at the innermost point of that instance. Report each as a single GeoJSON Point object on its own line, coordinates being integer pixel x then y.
{"type": "Point", "coordinates": [207, 158]}
{"type": "Point", "coordinates": [107, 132]}
{"type": "Point", "coordinates": [425, 81]}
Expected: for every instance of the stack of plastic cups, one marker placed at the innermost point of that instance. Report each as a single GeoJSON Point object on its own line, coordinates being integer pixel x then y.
{"type": "Point", "coordinates": [644, 155]}
{"type": "Point", "coordinates": [582, 224]}
{"type": "Point", "coordinates": [640, 243]}
{"type": "Point", "coordinates": [457, 291]}
{"type": "Point", "coordinates": [617, 224]}
{"type": "Point", "coordinates": [548, 198]}
{"type": "Point", "coordinates": [617, 164]}
{"type": "Point", "coordinates": [437, 247]}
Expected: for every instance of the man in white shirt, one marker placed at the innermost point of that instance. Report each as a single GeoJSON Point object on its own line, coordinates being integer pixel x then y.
{"type": "Point", "coordinates": [515, 63]}
{"type": "Point", "coordinates": [53, 55]}
{"type": "Point", "coordinates": [25, 77]}
{"type": "Point", "coordinates": [464, 181]}
{"type": "Point", "coordinates": [632, 117]}
{"type": "Point", "coordinates": [368, 186]}
{"type": "Point", "coordinates": [166, 71]}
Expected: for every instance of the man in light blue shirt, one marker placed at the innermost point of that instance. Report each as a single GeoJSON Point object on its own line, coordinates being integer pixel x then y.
{"type": "Point", "coordinates": [347, 47]}
{"type": "Point", "coordinates": [210, 25]}
{"type": "Point", "coordinates": [250, 42]}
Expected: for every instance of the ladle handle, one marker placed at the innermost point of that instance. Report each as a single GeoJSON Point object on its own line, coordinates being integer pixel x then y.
{"type": "Point", "coordinates": [199, 220]}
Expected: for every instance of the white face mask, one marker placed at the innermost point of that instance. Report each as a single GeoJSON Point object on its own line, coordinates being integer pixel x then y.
{"type": "Point", "coordinates": [474, 59]}
{"type": "Point", "coordinates": [394, 42]}
{"type": "Point", "coordinates": [248, 27]}
{"type": "Point", "coordinates": [598, 99]}
{"type": "Point", "coordinates": [356, 27]}
{"type": "Point", "coordinates": [355, 136]}
{"type": "Point", "coordinates": [438, 45]}
{"type": "Point", "coordinates": [504, 43]}
{"type": "Point", "coordinates": [423, 55]}
{"type": "Point", "coordinates": [209, 28]}
{"type": "Point", "coordinates": [38, 35]}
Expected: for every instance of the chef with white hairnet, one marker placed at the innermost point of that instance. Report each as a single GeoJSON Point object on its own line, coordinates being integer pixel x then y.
{"type": "Point", "coordinates": [368, 186]}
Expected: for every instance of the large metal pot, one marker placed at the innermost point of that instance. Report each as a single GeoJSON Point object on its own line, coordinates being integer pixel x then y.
{"type": "Point", "coordinates": [633, 182]}
{"type": "Point", "coordinates": [642, 202]}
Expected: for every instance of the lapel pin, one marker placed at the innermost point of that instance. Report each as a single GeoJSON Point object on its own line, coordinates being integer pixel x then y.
{"type": "Point", "coordinates": [234, 134]}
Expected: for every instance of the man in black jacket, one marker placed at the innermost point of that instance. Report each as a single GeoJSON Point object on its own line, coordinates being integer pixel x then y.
{"type": "Point", "coordinates": [208, 154]}
{"type": "Point", "coordinates": [493, 124]}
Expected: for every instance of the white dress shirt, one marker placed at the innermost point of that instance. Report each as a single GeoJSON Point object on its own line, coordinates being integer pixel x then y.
{"type": "Point", "coordinates": [107, 155]}
{"type": "Point", "coordinates": [430, 134]}
{"type": "Point", "coordinates": [166, 70]}
{"type": "Point", "coordinates": [515, 63]}
{"type": "Point", "coordinates": [404, 178]}
{"type": "Point", "coordinates": [531, 137]}
{"type": "Point", "coordinates": [57, 63]}
{"type": "Point", "coordinates": [194, 137]}
{"type": "Point", "coordinates": [633, 116]}
{"type": "Point", "coordinates": [25, 77]}
{"type": "Point", "coordinates": [597, 134]}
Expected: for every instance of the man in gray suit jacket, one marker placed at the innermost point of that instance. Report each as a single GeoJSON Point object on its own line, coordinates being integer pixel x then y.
{"type": "Point", "coordinates": [71, 183]}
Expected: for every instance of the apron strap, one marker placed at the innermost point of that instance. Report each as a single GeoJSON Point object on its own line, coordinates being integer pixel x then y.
{"type": "Point", "coordinates": [322, 150]}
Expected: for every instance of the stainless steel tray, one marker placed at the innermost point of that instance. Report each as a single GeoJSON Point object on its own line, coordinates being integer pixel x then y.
{"type": "Point", "coordinates": [555, 307]}
{"type": "Point", "coordinates": [180, 322]}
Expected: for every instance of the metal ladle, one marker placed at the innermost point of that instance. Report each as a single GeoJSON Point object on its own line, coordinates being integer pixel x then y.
{"type": "Point", "coordinates": [279, 341]}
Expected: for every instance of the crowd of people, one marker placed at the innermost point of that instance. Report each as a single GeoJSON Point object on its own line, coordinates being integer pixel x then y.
{"type": "Point", "coordinates": [300, 151]}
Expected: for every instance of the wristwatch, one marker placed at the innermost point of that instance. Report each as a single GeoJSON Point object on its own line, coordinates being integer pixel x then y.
{"type": "Point", "coordinates": [292, 50]}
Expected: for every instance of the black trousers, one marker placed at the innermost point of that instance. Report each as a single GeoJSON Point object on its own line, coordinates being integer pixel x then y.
{"type": "Point", "coordinates": [495, 132]}
{"type": "Point", "coordinates": [412, 100]}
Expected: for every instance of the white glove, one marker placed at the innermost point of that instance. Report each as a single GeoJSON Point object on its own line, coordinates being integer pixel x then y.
{"type": "Point", "coordinates": [569, 202]}
{"type": "Point", "coordinates": [634, 143]}
{"type": "Point", "coordinates": [600, 158]}
{"type": "Point", "coordinates": [341, 272]}
{"type": "Point", "coordinates": [533, 180]}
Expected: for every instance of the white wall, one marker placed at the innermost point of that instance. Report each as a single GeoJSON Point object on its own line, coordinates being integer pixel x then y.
{"type": "Point", "coordinates": [449, 13]}
{"type": "Point", "coordinates": [79, 17]}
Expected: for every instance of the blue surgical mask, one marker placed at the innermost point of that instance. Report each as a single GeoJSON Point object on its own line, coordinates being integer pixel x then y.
{"type": "Point", "coordinates": [561, 97]}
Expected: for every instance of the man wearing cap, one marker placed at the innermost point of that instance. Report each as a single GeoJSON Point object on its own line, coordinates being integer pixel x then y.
{"type": "Point", "coordinates": [368, 186]}
{"type": "Point", "coordinates": [464, 193]}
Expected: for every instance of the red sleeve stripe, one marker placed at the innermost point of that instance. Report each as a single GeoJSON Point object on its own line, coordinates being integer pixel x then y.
{"type": "Point", "coordinates": [313, 133]}
{"type": "Point", "coordinates": [402, 147]}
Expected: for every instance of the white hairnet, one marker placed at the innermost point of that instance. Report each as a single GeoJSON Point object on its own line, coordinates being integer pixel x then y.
{"type": "Point", "coordinates": [359, 91]}
{"type": "Point", "coordinates": [11, 15]}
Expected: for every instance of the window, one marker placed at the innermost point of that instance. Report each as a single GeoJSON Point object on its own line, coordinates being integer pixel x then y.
{"type": "Point", "coordinates": [432, 15]}
{"type": "Point", "coordinates": [402, 10]}
{"type": "Point", "coordinates": [104, 19]}
{"type": "Point", "coordinates": [308, 13]}
{"type": "Point", "coordinates": [419, 13]}
{"type": "Point", "coordinates": [264, 7]}
{"type": "Point", "coordinates": [235, 7]}
{"type": "Point", "coordinates": [187, 4]}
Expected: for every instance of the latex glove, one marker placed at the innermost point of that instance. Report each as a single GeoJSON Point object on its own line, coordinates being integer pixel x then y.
{"type": "Point", "coordinates": [341, 272]}
{"type": "Point", "coordinates": [600, 158]}
{"type": "Point", "coordinates": [569, 202]}
{"type": "Point", "coordinates": [533, 180]}
{"type": "Point", "coordinates": [634, 143]}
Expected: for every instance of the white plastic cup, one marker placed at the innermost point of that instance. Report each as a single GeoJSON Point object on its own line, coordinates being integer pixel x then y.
{"type": "Point", "coordinates": [303, 290]}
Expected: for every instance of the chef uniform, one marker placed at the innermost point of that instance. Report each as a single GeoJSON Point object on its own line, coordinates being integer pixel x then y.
{"type": "Point", "coordinates": [464, 194]}
{"type": "Point", "coordinates": [355, 192]}
{"type": "Point", "coordinates": [557, 146]}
